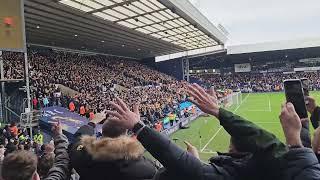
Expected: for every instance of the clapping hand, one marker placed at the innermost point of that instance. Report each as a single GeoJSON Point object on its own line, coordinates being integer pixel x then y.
{"type": "Point", "coordinates": [192, 150]}
{"type": "Point", "coordinates": [207, 101]}
{"type": "Point", "coordinates": [122, 115]}
{"type": "Point", "coordinates": [291, 124]}
{"type": "Point", "coordinates": [57, 128]}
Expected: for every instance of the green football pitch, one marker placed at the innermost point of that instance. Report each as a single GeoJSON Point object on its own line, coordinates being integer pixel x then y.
{"type": "Point", "coordinates": [261, 108]}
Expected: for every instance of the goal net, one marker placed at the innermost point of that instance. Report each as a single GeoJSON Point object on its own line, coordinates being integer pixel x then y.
{"type": "Point", "coordinates": [232, 99]}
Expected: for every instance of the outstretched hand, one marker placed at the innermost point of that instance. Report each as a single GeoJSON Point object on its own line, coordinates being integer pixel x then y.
{"type": "Point", "coordinates": [206, 101]}
{"type": "Point", "coordinates": [192, 150]}
{"type": "Point", "coordinates": [122, 115]}
{"type": "Point", "coordinates": [57, 128]}
{"type": "Point", "coordinates": [291, 124]}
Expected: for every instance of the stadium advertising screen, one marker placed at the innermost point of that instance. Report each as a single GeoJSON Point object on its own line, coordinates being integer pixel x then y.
{"type": "Point", "coordinates": [245, 67]}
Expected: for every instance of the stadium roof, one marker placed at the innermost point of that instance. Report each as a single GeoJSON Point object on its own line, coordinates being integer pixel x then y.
{"type": "Point", "coordinates": [223, 59]}
{"type": "Point", "coordinates": [274, 46]}
{"type": "Point", "coordinates": [132, 28]}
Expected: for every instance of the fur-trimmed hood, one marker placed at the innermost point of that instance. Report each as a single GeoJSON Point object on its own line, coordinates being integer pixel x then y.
{"type": "Point", "coordinates": [123, 147]}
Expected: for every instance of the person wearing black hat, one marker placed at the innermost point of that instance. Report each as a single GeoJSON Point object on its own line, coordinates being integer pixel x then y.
{"type": "Point", "coordinates": [114, 156]}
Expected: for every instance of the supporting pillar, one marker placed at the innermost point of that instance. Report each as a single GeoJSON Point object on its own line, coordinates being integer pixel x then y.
{"type": "Point", "coordinates": [2, 120]}
{"type": "Point", "coordinates": [26, 71]}
{"type": "Point", "coordinates": [185, 69]}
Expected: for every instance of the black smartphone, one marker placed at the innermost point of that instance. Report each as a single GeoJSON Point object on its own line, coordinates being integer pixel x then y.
{"type": "Point", "coordinates": [305, 86]}
{"type": "Point", "coordinates": [294, 94]}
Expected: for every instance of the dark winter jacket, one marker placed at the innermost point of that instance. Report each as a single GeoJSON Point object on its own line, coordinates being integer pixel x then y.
{"type": "Point", "coordinates": [267, 155]}
{"type": "Point", "coordinates": [111, 158]}
{"type": "Point", "coordinates": [300, 164]}
{"type": "Point", "coordinates": [61, 168]}
{"type": "Point", "coordinates": [315, 118]}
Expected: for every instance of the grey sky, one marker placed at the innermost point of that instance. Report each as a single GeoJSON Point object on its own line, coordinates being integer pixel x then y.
{"type": "Point", "coordinates": [255, 21]}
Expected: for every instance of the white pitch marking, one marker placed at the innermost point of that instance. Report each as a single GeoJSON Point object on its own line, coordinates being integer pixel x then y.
{"type": "Point", "coordinates": [269, 104]}
{"type": "Point", "coordinates": [208, 152]}
{"type": "Point", "coordinates": [221, 126]}
{"type": "Point", "coordinates": [257, 110]}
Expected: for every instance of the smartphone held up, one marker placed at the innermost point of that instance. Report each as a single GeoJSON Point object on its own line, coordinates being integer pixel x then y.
{"type": "Point", "coordinates": [295, 94]}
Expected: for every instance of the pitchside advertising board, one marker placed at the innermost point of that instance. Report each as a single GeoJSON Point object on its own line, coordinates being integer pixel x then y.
{"type": "Point", "coordinates": [12, 35]}
{"type": "Point", "coordinates": [245, 67]}
{"type": "Point", "coordinates": [317, 68]}
{"type": "Point", "coordinates": [70, 121]}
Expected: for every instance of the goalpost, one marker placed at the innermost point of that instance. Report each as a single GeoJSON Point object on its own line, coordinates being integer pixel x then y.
{"type": "Point", "coordinates": [231, 99]}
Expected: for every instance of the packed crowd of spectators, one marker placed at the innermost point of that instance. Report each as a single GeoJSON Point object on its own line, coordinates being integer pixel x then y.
{"type": "Point", "coordinates": [258, 82]}
{"type": "Point", "coordinates": [13, 65]}
{"type": "Point", "coordinates": [97, 80]}
{"type": "Point", "coordinates": [254, 153]}
{"type": "Point", "coordinates": [15, 138]}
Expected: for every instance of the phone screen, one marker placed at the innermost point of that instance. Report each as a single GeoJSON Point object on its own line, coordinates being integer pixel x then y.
{"type": "Point", "coordinates": [305, 86]}
{"type": "Point", "coordinates": [294, 94]}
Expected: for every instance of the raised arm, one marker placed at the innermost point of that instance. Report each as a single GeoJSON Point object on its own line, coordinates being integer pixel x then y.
{"type": "Point", "coordinates": [248, 136]}
{"type": "Point", "coordinates": [299, 162]}
{"type": "Point", "coordinates": [172, 157]}
{"type": "Point", "coordinates": [60, 169]}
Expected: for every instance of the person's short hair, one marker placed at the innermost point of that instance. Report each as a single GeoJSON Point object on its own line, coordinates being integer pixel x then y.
{"type": "Point", "coordinates": [10, 148]}
{"type": "Point", "coordinates": [12, 124]}
{"type": "Point", "coordinates": [2, 140]}
{"type": "Point", "coordinates": [43, 146]}
{"type": "Point", "coordinates": [45, 164]}
{"type": "Point", "coordinates": [27, 146]}
{"type": "Point", "coordinates": [110, 129]}
{"type": "Point", "coordinates": [49, 148]}
{"type": "Point", "coordinates": [20, 165]}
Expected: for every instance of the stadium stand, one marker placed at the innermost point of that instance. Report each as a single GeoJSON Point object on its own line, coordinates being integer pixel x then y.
{"type": "Point", "coordinates": [94, 78]}
{"type": "Point", "coordinates": [253, 82]}
{"type": "Point", "coordinates": [101, 106]}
